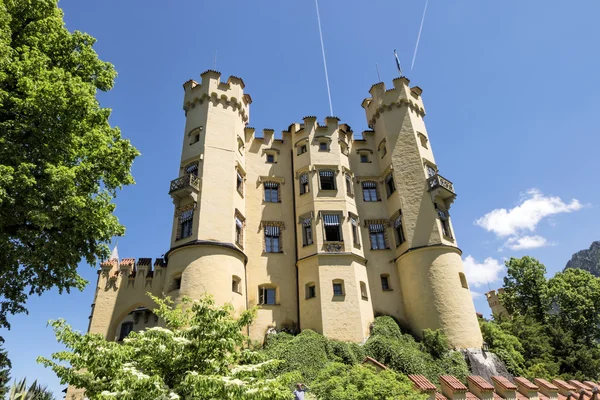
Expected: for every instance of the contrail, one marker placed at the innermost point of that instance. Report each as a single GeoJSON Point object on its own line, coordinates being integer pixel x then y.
{"type": "Point", "coordinates": [419, 36]}
{"type": "Point", "coordinates": [324, 61]}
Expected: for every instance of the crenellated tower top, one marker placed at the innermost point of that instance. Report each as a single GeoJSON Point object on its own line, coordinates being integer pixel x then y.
{"type": "Point", "coordinates": [383, 100]}
{"type": "Point", "coordinates": [228, 94]}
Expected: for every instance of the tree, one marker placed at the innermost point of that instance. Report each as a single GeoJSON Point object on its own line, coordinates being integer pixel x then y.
{"type": "Point", "coordinates": [5, 366]}
{"type": "Point", "coordinates": [525, 287]}
{"type": "Point", "coordinates": [60, 160]}
{"type": "Point", "coordinates": [197, 355]}
{"type": "Point", "coordinates": [575, 298]}
{"type": "Point", "coordinates": [344, 382]}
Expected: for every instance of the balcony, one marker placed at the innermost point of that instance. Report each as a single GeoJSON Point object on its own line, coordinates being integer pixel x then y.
{"type": "Point", "coordinates": [441, 188]}
{"type": "Point", "coordinates": [186, 185]}
{"type": "Point", "coordinates": [333, 247]}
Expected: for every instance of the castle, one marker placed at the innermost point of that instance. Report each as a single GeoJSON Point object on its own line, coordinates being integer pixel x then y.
{"type": "Point", "coordinates": [322, 229]}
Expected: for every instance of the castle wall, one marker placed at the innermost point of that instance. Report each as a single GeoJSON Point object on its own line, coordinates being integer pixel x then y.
{"type": "Point", "coordinates": [225, 254]}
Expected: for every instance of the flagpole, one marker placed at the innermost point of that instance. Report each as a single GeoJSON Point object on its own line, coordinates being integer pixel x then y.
{"type": "Point", "coordinates": [398, 64]}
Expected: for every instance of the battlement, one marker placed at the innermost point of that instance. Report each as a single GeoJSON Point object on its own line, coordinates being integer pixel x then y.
{"type": "Point", "coordinates": [130, 268]}
{"type": "Point", "coordinates": [228, 94]}
{"type": "Point", "coordinates": [383, 99]}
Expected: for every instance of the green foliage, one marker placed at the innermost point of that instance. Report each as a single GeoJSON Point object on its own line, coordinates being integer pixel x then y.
{"type": "Point", "coordinates": [505, 345]}
{"type": "Point", "coordinates": [198, 355]}
{"type": "Point", "coordinates": [306, 353]}
{"type": "Point", "coordinates": [20, 391]}
{"type": "Point", "coordinates": [435, 342]}
{"type": "Point", "coordinates": [403, 354]}
{"type": "Point", "coordinates": [60, 160]}
{"type": "Point", "coordinates": [525, 287]}
{"type": "Point", "coordinates": [5, 366]}
{"type": "Point", "coordinates": [554, 328]}
{"type": "Point", "coordinates": [356, 382]}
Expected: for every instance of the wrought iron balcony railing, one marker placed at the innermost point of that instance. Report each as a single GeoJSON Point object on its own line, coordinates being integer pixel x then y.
{"type": "Point", "coordinates": [187, 181]}
{"type": "Point", "coordinates": [438, 181]}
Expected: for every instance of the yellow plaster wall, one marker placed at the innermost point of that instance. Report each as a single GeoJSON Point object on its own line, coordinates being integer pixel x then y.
{"type": "Point", "coordinates": [434, 297]}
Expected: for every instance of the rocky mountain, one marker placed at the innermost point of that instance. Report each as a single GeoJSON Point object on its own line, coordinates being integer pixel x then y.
{"type": "Point", "coordinates": [588, 260]}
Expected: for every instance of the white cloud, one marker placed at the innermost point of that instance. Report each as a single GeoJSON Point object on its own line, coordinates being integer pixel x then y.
{"type": "Point", "coordinates": [475, 295]}
{"type": "Point", "coordinates": [480, 274]}
{"type": "Point", "coordinates": [526, 242]}
{"type": "Point", "coordinates": [525, 217]}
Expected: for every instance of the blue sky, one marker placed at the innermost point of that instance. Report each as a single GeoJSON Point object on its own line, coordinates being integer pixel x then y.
{"type": "Point", "coordinates": [511, 90]}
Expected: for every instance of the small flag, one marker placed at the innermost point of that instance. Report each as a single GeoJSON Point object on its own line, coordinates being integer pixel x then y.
{"type": "Point", "coordinates": [114, 255]}
{"type": "Point", "coordinates": [398, 62]}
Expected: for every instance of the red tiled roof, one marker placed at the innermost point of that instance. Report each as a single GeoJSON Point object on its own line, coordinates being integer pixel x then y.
{"type": "Point", "coordinates": [591, 384]}
{"type": "Point", "coordinates": [454, 384]}
{"type": "Point", "coordinates": [542, 396]}
{"type": "Point", "coordinates": [521, 396]}
{"type": "Point", "coordinates": [375, 362]}
{"type": "Point", "coordinates": [505, 383]}
{"type": "Point", "coordinates": [439, 396]}
{"type": "Point", "coordinates": [563, 385]}
{"type": "Point", "coordinates": [422, 383]}
{"type": "Point", "coordinates": [481, 383]}
{"type": "Point", "coordinates": [471, 396]}
{"type": "Point", "coordinates": [127, 261]}
{"type": "Point", "coordinates": [525, 383]}
{"type": "Point", "coordinates": [544, 383]}
{"type": "Point", "coordinates": [497, 396]}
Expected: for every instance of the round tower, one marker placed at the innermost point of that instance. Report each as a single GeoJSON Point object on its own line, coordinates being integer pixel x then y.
{"type": "Point", "coordinates": [431, 276]}
{"type": "Point", "coordinates": [206, 253]}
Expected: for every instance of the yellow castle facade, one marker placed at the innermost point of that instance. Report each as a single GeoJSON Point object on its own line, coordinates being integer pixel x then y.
{"type": "Point", "coordinates": [322, 229]}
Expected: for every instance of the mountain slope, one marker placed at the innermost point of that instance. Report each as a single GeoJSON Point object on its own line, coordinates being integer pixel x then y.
{"type": "Point", "coordinates": [588, 260]}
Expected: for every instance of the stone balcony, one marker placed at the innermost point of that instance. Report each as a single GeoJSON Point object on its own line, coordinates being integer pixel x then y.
{"type": "Point", "coordinates": [186, 185]}
{"type": "Point", "coordinates": [333, 247]}
{"type": "Point", "coordinates": [441, 188]}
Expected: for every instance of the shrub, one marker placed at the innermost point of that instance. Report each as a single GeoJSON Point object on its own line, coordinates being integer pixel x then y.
{"type": "Point", "coordinates": [343, 382]}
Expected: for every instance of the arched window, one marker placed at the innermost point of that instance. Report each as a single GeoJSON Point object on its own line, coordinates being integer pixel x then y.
{"type": "Point", "coordinates": [463, 280]}
{"type": "Point", "coordinates": [338, 287]}
{"type": "Point", "coordinates": [236, 284]}
{"type": "Point", "coordinates": [363, 291]}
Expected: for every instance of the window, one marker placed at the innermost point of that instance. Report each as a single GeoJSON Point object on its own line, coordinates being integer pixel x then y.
{"type": "Point", "coordinates": [192, 169]}
{"type": "Point", "coordinates": [364, 158]}
{"type": "Point", "coordinates": [311, 290]}
{"type": "Point", "coordinates": [240, 183]}
{"type": "Point", "coordinates": [363, 291]}
{"type": "Point", "coordinates": [377, 235]}
{"type": "Point", "coordinates": [445, 223]}
{"type": "Point", "coordinates": [355, 235]}
{"type": "Point", "coordinates": [463, 280]}
{"type": "Point", "coordinates": [423, 139]}
{"type": "Point", "coordinates": [370, 191]}
{"type": "Point", "coordinates": [126, 328]}
{"type": "Point", "coordinates": [390, 186]}
{"type": "Point", "coordinates": [332, 228]}
{"type": "Point", "coordinates": [235, 284]}
{"type": "Point", "coordinates": [302, 149]}
{"type": "Point", "coordinates": [271, 192]}
{"type": "Point", "coordinates": [338, 288]}
{"type": "Point", "coordinates": [267, 295]}
{"type": "Point", "coordinates": [177, 283]}
{"type": "Point", "coordinates": [399, 230]}
{"type": "Point", "coordinates": [327, 178]}
{"type": "Point", "coordinates": [307, 236]}
{"type": "Point", "coordinates": [385, 282]}
{"type": "Point", "coordinates": [194, 136]}
{"type": "Point", "coordinates": [186, 219]}
{"type": "Point", "coordinates": [304, 183]}
{"type": "Point", "coordinates": [270, 158]}
{"type": "Point", "coordinates": [323, 146]}
{"type": "Point", "coordinates": [272, 239]}
{"type": "Point", "coordinates": [348, 179]}
{"type": "Point", "coordinates": [239, 231]}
